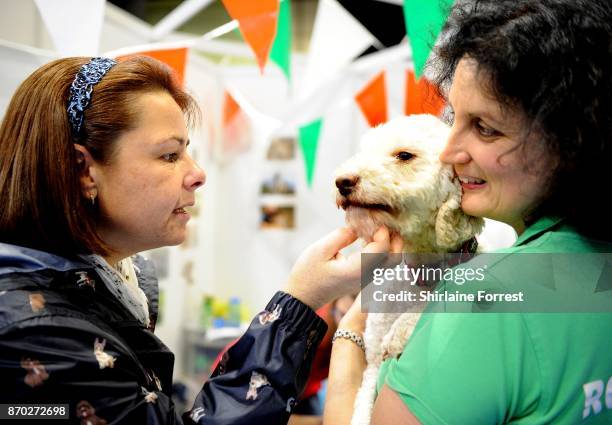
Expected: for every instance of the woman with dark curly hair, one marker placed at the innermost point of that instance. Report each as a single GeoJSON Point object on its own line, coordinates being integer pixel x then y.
{"type": "Point", "coordinates": [529, 89]}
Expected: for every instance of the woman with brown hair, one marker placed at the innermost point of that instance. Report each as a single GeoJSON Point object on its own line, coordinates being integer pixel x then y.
{"type": "Point", "coordinates": [94, 168]}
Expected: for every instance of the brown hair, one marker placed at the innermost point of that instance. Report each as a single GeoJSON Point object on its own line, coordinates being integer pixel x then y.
{"type": "Point", "coordinates": [41, 196]}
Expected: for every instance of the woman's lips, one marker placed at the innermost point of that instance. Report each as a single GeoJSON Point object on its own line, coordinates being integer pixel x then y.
{"type": "Point", "coordinates": [472, 186]}
{"type": "Point", "coordinates": [182, 213]}
{"type": "Point", "coordinates": [471, 183]}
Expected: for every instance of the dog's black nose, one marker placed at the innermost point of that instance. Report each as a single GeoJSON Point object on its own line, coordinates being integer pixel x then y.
{"type": "Point", "coordinates": [346, 184]}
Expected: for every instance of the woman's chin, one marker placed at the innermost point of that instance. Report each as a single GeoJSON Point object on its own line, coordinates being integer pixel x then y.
{"type": "Point", "coordinates": [177, 238]}
{"type": "Point", "coordinates": [472, 208]}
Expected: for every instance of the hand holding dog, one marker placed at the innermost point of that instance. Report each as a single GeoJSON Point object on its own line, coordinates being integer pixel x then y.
{"type": "Point", "coordinates": [322, 274]}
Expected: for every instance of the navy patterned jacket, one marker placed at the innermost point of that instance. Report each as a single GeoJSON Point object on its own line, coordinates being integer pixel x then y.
{"type": "Point", "coordinates": [64, 338]}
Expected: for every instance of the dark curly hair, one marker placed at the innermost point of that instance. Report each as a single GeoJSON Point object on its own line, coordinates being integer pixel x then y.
{"type": "Point", "coordinates": [551, 60]}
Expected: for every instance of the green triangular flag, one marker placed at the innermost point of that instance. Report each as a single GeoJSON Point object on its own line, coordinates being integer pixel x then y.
{"type": "Point", "coordinates": [309, 141]}
{"type": "Point", "coordinates": [281, 49]}
{"type": "Point", "coordinates": [424, 20]}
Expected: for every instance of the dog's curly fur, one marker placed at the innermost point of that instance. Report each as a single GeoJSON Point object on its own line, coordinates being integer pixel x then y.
{"type": "Point", "coordinates": [397, 180]}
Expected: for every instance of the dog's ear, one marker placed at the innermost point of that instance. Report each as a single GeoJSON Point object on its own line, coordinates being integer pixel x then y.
{"type": "Point", "coordinates": [453, 226]}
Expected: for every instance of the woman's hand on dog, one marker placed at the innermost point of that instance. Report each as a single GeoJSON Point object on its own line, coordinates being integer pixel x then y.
{"type": "Point", "coordinates": [322, 274]}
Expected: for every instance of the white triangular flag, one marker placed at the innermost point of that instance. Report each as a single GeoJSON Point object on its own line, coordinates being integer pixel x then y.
{"type": "Point", "coordinates": [337, 38]}
{"type": "Point", "coordinates": [74, 25]}
{"type": "Point", "coordinates": [17, 63]}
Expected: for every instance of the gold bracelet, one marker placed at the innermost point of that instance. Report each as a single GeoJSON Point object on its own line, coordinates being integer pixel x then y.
{"type": "Point", "coordinates": [353, 336]}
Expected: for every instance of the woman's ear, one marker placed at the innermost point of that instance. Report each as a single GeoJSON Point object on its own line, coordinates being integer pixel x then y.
{"type": "Point", "coordinates": [87, 172]}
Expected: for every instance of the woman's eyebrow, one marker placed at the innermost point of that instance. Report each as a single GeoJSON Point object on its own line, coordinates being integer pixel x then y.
{"type": "Point", "coordinates": [177, 139]}
{"type": "Point", "coordinates": [488, 117]}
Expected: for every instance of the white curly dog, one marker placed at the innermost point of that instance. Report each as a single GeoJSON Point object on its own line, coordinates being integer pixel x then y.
{"type": "Point", "coordinates": [397, 180]}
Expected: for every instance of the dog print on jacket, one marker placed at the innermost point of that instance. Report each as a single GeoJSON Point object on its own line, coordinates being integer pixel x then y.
{"type": "Point", "coordinates": [36, 373]}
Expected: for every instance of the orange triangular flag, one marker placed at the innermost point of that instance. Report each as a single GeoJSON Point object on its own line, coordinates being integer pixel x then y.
{"type": "Point", "coordinates": [230, 108]}
{"type": "Point", "coordinates": [421, 97]}
{"type": "Point", "coordinates": [372, 100]}
{"type": "Point", "coordinates": [236, 135]}
{"type": "Point", "coordinates": [174, 58]}
{"type": "Point", "coordinates": [257, 21]}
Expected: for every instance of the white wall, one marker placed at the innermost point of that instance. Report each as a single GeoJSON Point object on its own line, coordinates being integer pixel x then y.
{"type": "Point", "coordinates": [21, 23]}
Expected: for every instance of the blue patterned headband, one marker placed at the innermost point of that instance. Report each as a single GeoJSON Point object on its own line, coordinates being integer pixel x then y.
{"type": "Point", "coordinates": [88, 76]}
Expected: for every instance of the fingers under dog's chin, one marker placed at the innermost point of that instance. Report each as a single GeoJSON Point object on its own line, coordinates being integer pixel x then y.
{"type": "Point", "coordinates": [397, 241]}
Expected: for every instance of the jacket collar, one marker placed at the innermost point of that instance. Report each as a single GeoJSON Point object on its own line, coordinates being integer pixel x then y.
{"type": "Point", "coordinates": [14, 258]}
{"type": "Point", "coordinates": [536, 229]}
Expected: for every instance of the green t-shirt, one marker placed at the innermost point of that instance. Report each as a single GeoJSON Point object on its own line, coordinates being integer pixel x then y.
{"type": "Point", "coordinates": [519, 368]}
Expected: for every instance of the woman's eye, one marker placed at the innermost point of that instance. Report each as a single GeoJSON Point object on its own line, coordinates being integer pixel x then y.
{"type": "Point", "coordinates": [170, 157]}
{"type": "Point", "coordinates": [484, 130]}
{"type": "Point", "coordinates": [404, 156]}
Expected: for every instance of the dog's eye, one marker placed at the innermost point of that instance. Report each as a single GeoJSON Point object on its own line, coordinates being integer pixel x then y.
{"type": "Point", "coordinates": [404, 156]}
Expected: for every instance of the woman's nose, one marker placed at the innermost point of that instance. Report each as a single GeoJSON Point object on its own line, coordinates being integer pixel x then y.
{"type": "Point", "coordinates": [196, 176]}
{"type": "Point", "coordinates": [455, 150]}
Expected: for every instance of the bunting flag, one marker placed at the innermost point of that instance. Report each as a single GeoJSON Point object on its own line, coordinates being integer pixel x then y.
{"type": "Point", "coordinates": [17, 63]}
{"type": "Point", "coordinates": [236, 129]}
{"type": "Point", "coordinates": [257, 22]}
{"type": "Point", "coordinates": [372, 100]}
{"type": "Point", "coordinates": [309, 142]}
{"type": "Point", "coordinates": [421, 96]}
{"type": "Point", "coordinates": [281, 49]}
{"type": "Point", "coordinates": [230, 108]}
{"type": "Point", "coordinates": [337, 38]}
{"type": "Point", "coordinates": [384, 20]}
{"type": "Point", "coordinates": [424, 20]}
{"type": "Point", "coordinates": [174, 58]}
{"type": "Point", "coordinates": [74, 25]}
